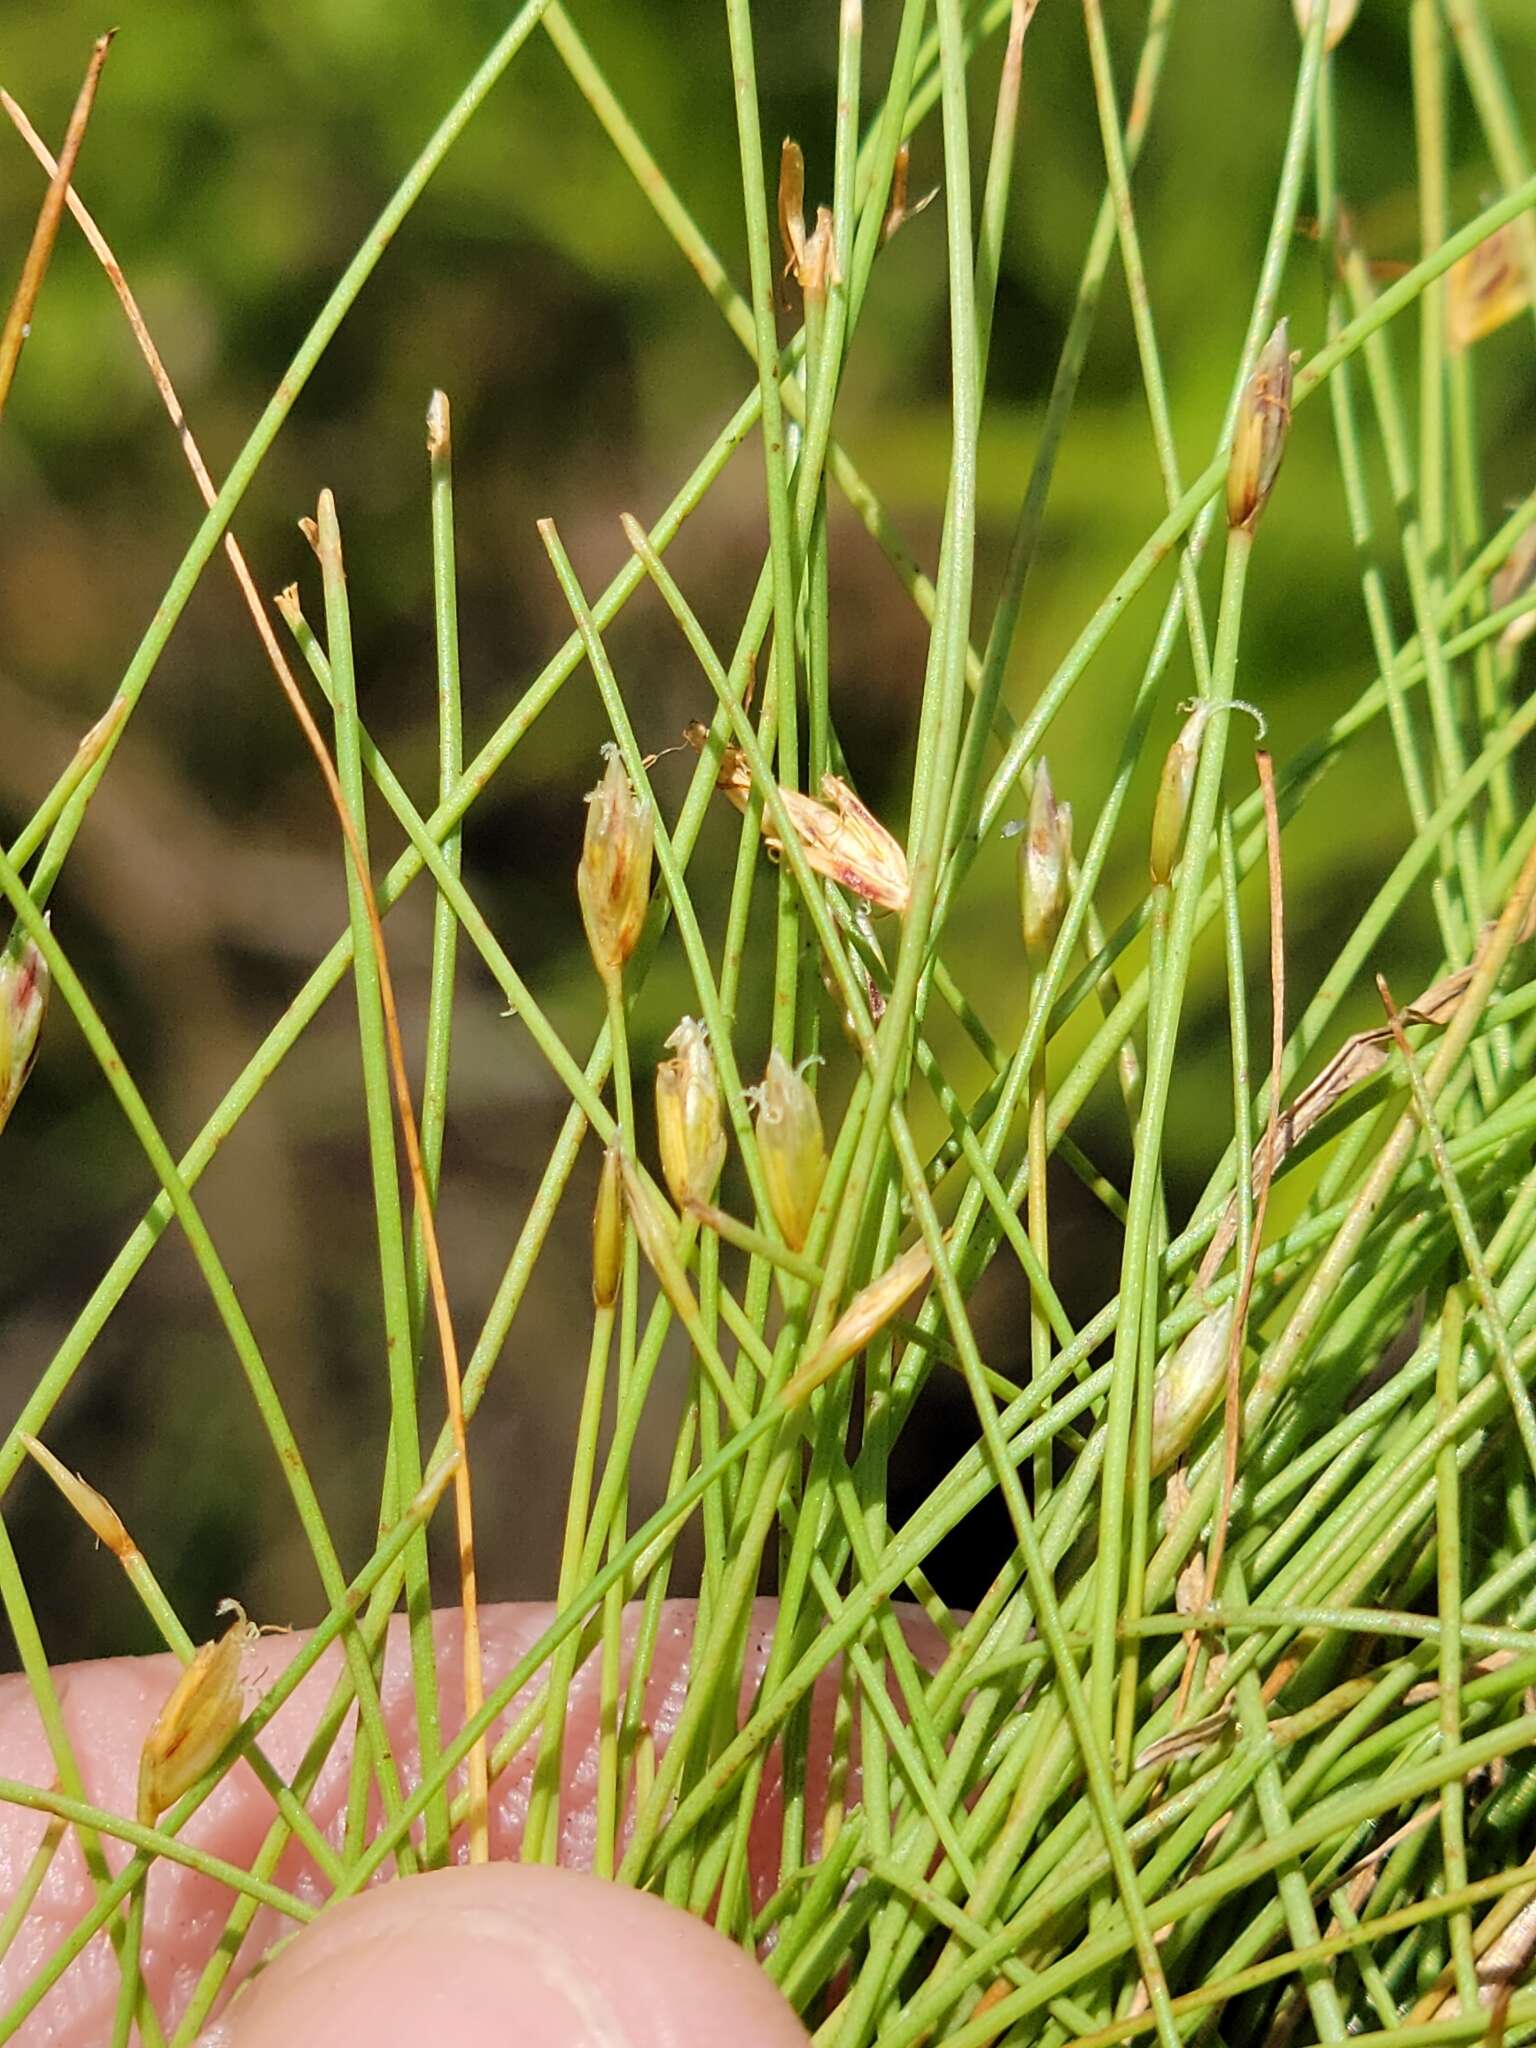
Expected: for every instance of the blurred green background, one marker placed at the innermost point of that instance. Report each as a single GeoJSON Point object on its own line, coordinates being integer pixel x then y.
{"type": "Point", "coordinates": [237, 154]}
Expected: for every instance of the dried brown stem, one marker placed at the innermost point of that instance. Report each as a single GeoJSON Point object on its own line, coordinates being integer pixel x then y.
{"type": "Point", "coordinates": [18, 321]}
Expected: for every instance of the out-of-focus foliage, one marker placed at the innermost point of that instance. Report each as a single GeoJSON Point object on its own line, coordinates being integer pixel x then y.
{"type": "Point", "coordinates": [236, 156]}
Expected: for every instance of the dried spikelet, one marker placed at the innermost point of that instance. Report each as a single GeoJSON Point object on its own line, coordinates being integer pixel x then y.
{"type": "Point", "coordinates": [865, 1316]}
{"type": "Point", "coordinates": [197, 1720]}
{"type": "Point", "coordinates": [1187, 1385]}
{"type": "Point", "coordinates": [791, 1147]}
{"type": "Point", "coordinates": [613, 879]}
{"type": "Point", "coordinates": [820, 270]}
{"type": "Point", "coordinates": [1489, 286]}
{"type": "Point", "coordinates": [812, 257]}
{"type": "Point", "coordinates": [1340, 14]}
{"type": "Point", "coordinates": [689, 1126]}
{"type": "Point", "coordinates": [842, 837]}
{"type": "Point", "coordinates": [898, 211]}
{"type": "Point", "coordinates": [1186, 1741]}
{"type": "Point", "coordinates": [792, 204]}
{"type": "Point", "coordinates": [24, 985]}
{"type": "Point", "coordinates": [1263, 427]}
{"type": "Point", "coordinates": [93, 1508]}
{"type": "Point", "coordinates": [607, 1231]}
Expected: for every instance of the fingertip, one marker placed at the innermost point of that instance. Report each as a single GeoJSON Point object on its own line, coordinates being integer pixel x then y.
{"type": "Point", "coordinates": [500, 1952]}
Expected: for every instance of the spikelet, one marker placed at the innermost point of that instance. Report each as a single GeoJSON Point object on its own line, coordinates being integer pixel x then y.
{"type": "Point", "coordinates": [1187, 1385]}
{"type": "Point", "coordinates": [1045, 856]}
{"type": "Point", "coordinates": [792, 203]}
{"type": "Point", "coordinates": [1488, 287]}
{"type": "Point", "coordinates": [1173, 793]}
{"type": "Point", "coordinates": [689, 1126]}
{"type": "Point", "coordinates": [898, 209]}
{"type": "Point", "coordinates": [197, 1720]}
{"type": "Point", "coordinates": [791, 1147]}
{"type": "Point", "coordinates": [1516, 578]}
{"type": "Point", "coordinates": [1340, 14]}
{"type": "Point", "coordinates": [613, 879]}
{"type": "Point", "coordinates": [1263, 427]}
{"type": "Point", "coordinates": [93, 1508]}
{"type": "Point", "coordinates": [24, 985]}
{"type": "Point", "coordinates": [865, 1316]}
{"type": "Point", "coordinates": [842, 837]}
{"type": "Point", "coordinates": [607, 1231]}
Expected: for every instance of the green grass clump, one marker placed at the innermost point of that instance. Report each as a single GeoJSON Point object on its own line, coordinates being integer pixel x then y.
{"type": "Point", "coordinates": [1232, 1738]}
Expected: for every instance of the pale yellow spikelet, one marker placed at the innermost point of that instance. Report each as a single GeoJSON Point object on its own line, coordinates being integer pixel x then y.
{"type": "Point", "coordinates": [93, 1508]}
{"type": "Point", "coordinates": [864, 1318]}
{"type": "Point", "coordinates": [690, 1128]}
{"type": "Point", "coordinates": [197, 1720]}
{"type": "Point", "coordinates": [791, 1147]}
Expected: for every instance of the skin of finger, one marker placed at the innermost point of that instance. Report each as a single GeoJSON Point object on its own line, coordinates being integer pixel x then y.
{"type": "Point", "coordinates": [509, 1952]}
{"type": "Point", "coordinates": [110, 1706]}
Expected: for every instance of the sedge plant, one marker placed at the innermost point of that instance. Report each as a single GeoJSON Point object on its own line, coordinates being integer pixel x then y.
{"type": "Point", "coordinates": [1233, 1742]}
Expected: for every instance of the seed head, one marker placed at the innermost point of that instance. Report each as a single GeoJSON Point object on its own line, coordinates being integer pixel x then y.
{"type": "Point", "coordinates": [614, 877]}
{"type": "Point", "coordinates": [1045, 856]}
{"type": "Point", "coordinates": [1340, 14]}
{"type": "Point", "coordinates": [689, 1126]}
{"type": "Point", "coordinates": [197, 1720]}
{"type": "Point", "coordinates": [1263, 423]}
{"type": "Point", "coordinates": [24, 984]}
{"type": "Point", "coordinates": [791, 1147]}
{"type": "Point", "coordinates": [607, 1231]}
{"type": "Point", "coordinates": [1187, 1384]}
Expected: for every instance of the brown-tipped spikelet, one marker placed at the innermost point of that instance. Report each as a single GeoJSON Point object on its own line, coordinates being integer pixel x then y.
{"type": "Point", "coordinates": [93, 1508]}
{"type": "Point", "coordinates": [1187, 1385]}
{"type": "Point", "coordinates": [865, 1317]}
{"type": "Point", "coordinates": [607, 1231]}
{"type": "Point", "coordinates": [1340, 14]}
{"type": "Point", "coordinates": [791, 1147]}
{"type": "Point", "coordinates": [1045, 856]}
{"type": "Point", "coordinates": [689, 1125]}
{"type": "Point", "coordinates": [1173, 793]}
{"type": "Point", "coordinates": [614, 877]}
{"type": "Point", "coordinates": [197, 1720]}
{"type": "Point", "coordinates": [1263, 424]}
{"type": "Point", "coordinates": [24, 984]}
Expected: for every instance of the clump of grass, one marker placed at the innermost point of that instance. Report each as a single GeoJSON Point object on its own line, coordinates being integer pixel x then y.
{"type": "Point", "coordinates": [1227, 1741]}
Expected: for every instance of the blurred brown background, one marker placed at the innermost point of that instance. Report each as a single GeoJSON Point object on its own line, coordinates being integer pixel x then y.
{"type": "Point", "coordinates": [236, 157]}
